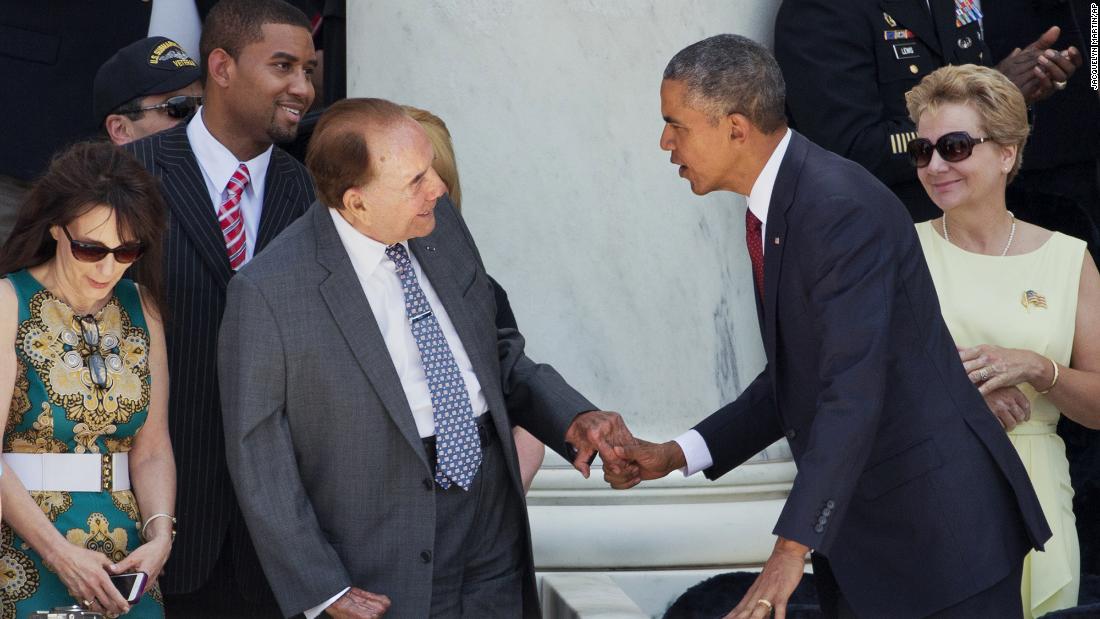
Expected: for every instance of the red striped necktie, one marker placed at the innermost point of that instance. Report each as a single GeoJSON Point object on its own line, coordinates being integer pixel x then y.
{"type": "Point", "coordinates": [232, 220]}
{"type": "Point", "coordinates": [753, 239]}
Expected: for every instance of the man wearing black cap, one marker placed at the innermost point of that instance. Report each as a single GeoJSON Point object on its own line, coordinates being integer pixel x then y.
{"type": "Point", "coordinates": [146, 87]}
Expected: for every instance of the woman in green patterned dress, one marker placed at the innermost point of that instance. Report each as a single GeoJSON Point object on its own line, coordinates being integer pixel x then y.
{"type": "Point", "coordinates": [83, 364]}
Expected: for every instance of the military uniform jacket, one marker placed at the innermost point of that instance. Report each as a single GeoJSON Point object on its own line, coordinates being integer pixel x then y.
{"type": "Point", "coordinates": [848, 66]}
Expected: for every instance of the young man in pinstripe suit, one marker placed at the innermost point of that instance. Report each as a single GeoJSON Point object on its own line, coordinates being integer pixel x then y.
{"type": "Point", "coordinates": [230, 192]}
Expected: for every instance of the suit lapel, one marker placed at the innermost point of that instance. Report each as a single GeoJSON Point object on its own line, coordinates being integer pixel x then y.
{"type": "Point", "coordinates": [190, 203]}
{"type": "Point", "coordinates": [282, 195]}
{"type": "Point", "coordinates": [346, 300]}
{"type": "Point", "coordinates": [946, 29]}
{"type": "Point", "coordinates": [439, 267]}
{"type": "Point", "coordinates": [776, 240]}
{"type": "Point", "coordinates": [913, 15]}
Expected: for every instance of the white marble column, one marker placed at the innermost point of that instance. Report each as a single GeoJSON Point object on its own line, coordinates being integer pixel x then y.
{"type": "Point", "coordinates": [635, 289]}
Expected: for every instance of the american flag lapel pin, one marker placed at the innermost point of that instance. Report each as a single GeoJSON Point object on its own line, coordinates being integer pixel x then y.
{"type": "Point", "coordinates": [1030, 299]}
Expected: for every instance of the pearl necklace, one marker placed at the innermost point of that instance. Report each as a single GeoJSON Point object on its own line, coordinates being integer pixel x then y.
{"type": "Point", "coordinates": [1011, 234]}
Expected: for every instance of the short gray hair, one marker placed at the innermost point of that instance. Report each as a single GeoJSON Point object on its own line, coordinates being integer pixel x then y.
{"type": "Point", "coordinates": [729, 73]}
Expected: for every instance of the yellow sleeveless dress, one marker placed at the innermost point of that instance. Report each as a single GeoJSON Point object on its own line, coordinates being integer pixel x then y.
{"type": "Point", "coordinates": [1027, 301]}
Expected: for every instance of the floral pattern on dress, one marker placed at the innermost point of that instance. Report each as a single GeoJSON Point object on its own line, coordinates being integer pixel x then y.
{"type": "Point", "coordinates": [51, 340]}
{"type": "Point", "coordinates": [18, 576]}
{"type": "Point", "coordinates": [118, 445]}
{"type": "Point", "coordinates": [53, 503]}
{"type": "Point", "coordinates": [66, 412]}
{"type": "Point", "coordinates": [100, 537]}
{"type": "Point", "coordinates": [20, 397]}
{"type": "Point", "coordinates": [126, 503]}
{"type": "Point", "coordinates": [39, 439]}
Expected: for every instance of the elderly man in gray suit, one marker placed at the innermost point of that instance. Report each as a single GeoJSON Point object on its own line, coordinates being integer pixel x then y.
{"type": "Point", "coordinates": [368, 397]}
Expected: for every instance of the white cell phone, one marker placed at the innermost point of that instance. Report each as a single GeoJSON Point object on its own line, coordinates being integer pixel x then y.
{"type": "Point", "coordinates": [130, 585]}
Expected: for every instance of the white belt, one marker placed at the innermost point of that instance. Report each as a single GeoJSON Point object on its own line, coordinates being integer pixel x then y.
{"type": "Point", "coordinates": [71, 472]}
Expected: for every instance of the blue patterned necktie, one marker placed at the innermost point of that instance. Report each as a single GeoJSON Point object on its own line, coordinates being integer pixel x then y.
{"type": "Point", "coordinates": [458, 447]}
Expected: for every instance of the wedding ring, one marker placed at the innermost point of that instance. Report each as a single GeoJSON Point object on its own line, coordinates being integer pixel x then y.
{"type": "Point", "coordinates": [1059, 85]}
{"type": "Point", "coordinates": [85, 603]}
{"type": "Point", "coordinates": [983, 374]}
{"type": "Point", "coordinates": [765, 604]}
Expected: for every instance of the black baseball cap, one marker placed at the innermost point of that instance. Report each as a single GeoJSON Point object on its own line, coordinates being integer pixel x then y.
{"type": "Point", "coordinates": [150, 66]}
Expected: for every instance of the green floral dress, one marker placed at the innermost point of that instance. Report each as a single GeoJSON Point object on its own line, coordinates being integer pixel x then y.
{"type": "Point", "coordinates": [56, 408]}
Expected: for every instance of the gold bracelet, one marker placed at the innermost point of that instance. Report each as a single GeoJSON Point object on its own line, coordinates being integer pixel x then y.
{"type": "Point", "coordinates": [1053, 382]}
{"type": "Point", "coordinates": [142, 525]}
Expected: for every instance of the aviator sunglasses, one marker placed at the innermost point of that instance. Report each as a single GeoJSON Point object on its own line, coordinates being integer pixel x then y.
{"type": "Point", "coordinates": [180, 106]}
{"type": "Point", "coordinates": [952, 147]}
{"type": "Point", "coordinates": [94, 252]}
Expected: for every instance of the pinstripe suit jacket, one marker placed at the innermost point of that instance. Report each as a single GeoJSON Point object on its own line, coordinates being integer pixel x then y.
{"type": "Point", "coordinates": [197, 273]}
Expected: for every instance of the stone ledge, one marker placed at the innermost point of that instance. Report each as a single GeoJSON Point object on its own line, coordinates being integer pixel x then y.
{"type": "Point", "coordinates": [586, 596]}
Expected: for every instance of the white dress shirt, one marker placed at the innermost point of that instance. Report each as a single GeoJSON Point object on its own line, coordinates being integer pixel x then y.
{"type": "Point", "coordinates": [218, 165]}
{"type": "Point", "coordinates": [696, 453]}
{"type": "Point", "coordinates": [178, 21]}
{"type": "Point", "coordinates": [378, 276]}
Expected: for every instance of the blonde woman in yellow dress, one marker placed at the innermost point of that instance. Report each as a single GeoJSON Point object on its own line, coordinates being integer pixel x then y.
{"type": "Point", "coordinates": [1022, 302]}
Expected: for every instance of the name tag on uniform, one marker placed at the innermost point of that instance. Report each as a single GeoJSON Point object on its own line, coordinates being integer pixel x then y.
{"type": "Point", "coordinates": [905, 51]}
{"type": "Point", "coordinates": [897, 35]}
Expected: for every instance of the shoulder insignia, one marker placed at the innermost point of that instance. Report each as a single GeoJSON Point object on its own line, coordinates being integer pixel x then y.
{"type": "Point", "coordinates": [899, 142]}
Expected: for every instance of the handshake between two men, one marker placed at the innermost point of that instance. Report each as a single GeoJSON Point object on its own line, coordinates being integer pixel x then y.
{"type": "Point", "coordinates": [627, 460]}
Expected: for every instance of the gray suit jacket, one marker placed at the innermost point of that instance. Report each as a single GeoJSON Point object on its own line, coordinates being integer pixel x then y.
{"type": "Point", "coordinates": [324, 453]}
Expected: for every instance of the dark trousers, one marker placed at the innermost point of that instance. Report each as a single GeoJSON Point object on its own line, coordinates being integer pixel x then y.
{"type": "Point", "coordinates": [477, 561]}
{"type": "Point", "coordinates": [220, 597]}
{"type": "Point", "coordinates": [1002, 600]}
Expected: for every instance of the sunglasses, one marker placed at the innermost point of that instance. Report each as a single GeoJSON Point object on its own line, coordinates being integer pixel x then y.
{"type": "Point", "coordinates": [180, 106]}
{"type": "Point", "coordinates": [97, 367]}
{"type": "Point", "coordinates": [94, 252]}
{"type": "Point", "coordinates": [952, 147]}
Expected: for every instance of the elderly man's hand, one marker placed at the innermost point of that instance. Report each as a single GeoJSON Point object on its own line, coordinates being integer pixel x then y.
{"type": "Point", "coordinates": [598, 432]}
{"type": "Point", "coordinates": [359, 604]}
{"type": "Point", "coordinates": [646, 461]}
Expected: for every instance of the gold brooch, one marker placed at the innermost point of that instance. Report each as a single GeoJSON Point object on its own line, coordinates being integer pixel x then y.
{"type": "Point", "coordinates": [1031, 299]}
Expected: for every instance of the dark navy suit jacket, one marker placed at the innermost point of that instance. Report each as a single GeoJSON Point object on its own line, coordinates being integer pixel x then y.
{"type": "Point", "coordinates": [906, 482]}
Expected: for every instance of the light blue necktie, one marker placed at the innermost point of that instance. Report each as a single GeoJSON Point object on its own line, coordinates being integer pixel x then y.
{"type": "Point", "coordinates": [458, 446]}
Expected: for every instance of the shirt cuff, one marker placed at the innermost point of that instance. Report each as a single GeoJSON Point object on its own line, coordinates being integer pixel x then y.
{"type": "Point", "coordinates": [320, 608]}
{"type": "Point", "coordinates": [696, 453]}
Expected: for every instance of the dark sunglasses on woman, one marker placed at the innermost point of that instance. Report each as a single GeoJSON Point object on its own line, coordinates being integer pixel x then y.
{"type": "Point", "coordinates": [180, 106]}
{"type": "Point", "coordinates": [94, 252]}
{"type": "Point", "coordinates": [952, 147]}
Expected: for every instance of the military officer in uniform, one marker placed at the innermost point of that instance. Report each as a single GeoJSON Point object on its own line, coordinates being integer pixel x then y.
{"type": "Point", "coordinates": [849, 64]}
